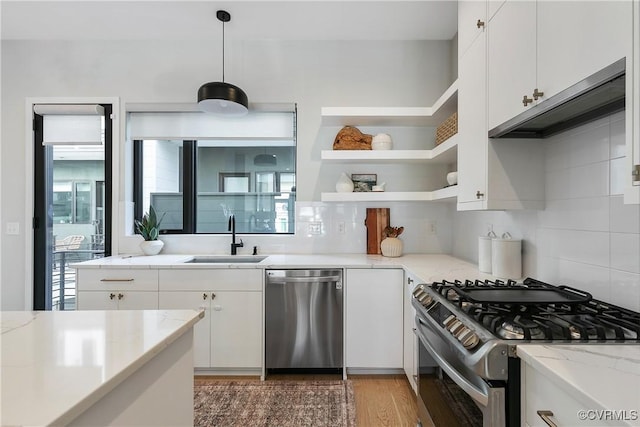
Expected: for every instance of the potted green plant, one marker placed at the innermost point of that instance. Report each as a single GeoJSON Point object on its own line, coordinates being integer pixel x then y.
{"type": "Point", "coordinates": [391, 245]}
{"type": "Point", "coordinates": [149, 229]}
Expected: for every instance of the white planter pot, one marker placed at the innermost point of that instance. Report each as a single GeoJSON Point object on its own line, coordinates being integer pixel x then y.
{"type": "Point", "coordinates": [151, 247]}
{"type": "Point", "coordinates": [391, 247]}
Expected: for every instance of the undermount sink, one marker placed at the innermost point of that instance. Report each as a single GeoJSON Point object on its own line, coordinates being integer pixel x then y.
{"type": "Point", "coordinates": [213, 259]}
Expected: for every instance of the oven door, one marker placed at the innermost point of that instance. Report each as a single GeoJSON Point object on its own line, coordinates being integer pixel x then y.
{"type": "Point", "coordinates": [448, 392]}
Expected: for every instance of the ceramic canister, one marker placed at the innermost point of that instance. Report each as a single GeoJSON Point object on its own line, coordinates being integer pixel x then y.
{"type": "Point", "coordinates": [506, 257]}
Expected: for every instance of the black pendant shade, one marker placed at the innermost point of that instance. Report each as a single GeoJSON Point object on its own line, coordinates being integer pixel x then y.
{"type": "Point", "coordinates": [220, 97]}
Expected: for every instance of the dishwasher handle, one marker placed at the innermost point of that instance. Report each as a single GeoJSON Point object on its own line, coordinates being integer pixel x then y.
{"type": "Point", "coordinates": [312, 279]}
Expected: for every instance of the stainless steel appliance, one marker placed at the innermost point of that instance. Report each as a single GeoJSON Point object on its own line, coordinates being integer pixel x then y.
{"type": "Point", "coordinates": [303, 310]}
{"type": "Point", "coordinates": [468, 332]}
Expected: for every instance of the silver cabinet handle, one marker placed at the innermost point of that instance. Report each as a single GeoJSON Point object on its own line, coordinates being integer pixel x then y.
{"type": "Point", "coordinates": [480, 24]}
{"type": "Point", "coordinates": [546, 417]}
{"type": "Point", "coordinates": [120, 296]}
{"type": "Point", "coordinates": [213, 296]}
{"type": "Point", "coordinates": [112, 296]}
{"type": "Point", "coordinates": [526, 101]}
{"type": "Point", "coordinates": [204, 296]}
{"type": "Point", "coordinates": [409, 280]}
{"type": "Point", "coordinates": [479, 195]}
{"type": "Point", "coordinates": [116, 280]}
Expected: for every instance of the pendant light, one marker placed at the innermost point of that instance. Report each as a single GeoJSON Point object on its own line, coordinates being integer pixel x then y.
{"type": "Point", "coordinates": [220, 97]}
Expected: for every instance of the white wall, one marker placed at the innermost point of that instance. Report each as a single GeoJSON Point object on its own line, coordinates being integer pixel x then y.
{"type": "Point", "coordinates": [586, 237]}
{"type": "Point", "coordinates": [313, 74]}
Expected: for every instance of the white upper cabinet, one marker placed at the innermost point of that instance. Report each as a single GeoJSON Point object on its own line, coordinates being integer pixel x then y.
{"type": "Point", "coordinates": [537, 49]}
{"type": "Point", "coordinates": [632, 190]}
{"type": "Point", "coordinates": [511, 59]}
{"type": "Point", "coordinates": [472, 20]}
{"type": "Point", "coordinates": [577, 39]}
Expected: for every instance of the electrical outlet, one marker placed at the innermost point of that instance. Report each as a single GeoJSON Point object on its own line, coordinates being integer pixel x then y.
{"type": "Point", "coordinates": [431, 227]}
{"type": "Point", "coordinates": [341, 227]}
{"type": "Point", "coordinates": [13, 228]}
{"type": "Point", "coordinates": [315, 228]}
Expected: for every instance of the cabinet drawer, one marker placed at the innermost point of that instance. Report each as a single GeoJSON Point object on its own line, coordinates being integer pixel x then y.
{"type": "Point", "coordinates": [540, 393]}
{"type": "Point", "coordinates": [199, 279]}
{"type": "Point", "coordinates": [109, 279]}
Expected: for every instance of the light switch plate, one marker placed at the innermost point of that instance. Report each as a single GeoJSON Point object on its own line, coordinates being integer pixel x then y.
{"type": "Point", "coordinates": [13, 228]}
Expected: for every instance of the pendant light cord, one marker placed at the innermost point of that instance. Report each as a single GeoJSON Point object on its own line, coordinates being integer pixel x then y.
{"type": "Point", "coordinates": [223, 51]}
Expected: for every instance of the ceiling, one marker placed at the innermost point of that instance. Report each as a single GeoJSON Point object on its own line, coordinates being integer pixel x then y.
{"type": "Point", "coordinates": [250, 20]}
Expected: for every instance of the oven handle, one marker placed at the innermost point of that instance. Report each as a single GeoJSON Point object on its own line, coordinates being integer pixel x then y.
{"type": "Point", "coordinates": [477, 394]}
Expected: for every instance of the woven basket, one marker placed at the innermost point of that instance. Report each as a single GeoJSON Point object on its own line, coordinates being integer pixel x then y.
{"type": "Point", "coordinates": [447, 129]}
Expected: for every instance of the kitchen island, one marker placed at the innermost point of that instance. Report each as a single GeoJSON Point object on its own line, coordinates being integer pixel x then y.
{"type": "Point", "coordinates": [97, 367]}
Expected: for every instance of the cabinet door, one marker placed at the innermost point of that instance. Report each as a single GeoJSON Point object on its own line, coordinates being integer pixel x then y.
{"type": "Point", "coordinates": [236, 330]}
{"type": "Point", "coordinates": [632, 116]}
{"type": "Point", "coordinates": [132, 300]}
{"type": "Point", "coordinates": [576, 39]}
{"type": "Point", "coordinates": [96, 300]}
{"type": "Point", "coordinates": [410, 344]}
{"type": "Point", "coordinates": [469, 13]}
{"type": "Point", "coordinates": [511, 60]}
{"type": "Point", "coordinates": [472, 127]}
{"type": "Point", "coordinates": [202, 329]}
{"type": "Point", "coordinates": [373, 317]}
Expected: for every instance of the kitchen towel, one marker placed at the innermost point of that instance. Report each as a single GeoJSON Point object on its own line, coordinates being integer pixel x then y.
{"type": "Point", "coordinates": [506, 257]}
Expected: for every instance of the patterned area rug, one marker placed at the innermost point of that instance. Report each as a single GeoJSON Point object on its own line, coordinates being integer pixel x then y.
{"type": "Point", "coordinates": [274, 403]}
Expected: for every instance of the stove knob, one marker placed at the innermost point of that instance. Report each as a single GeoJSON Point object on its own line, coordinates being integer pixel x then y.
{"type": "Point", "coordinates": [461, 331]}
{"type": "Point", "coordinates": [469, 339]}
{"type": "Point", "coordinates": [426, 300]}
{"type": "Point", "coordinates": [449, 321]}
{"type": "Point", "coordinates": [456, 326]}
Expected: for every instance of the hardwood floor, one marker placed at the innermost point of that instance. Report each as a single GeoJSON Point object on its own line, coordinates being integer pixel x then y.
{"type": "Point", "coordinates": [381, 400]}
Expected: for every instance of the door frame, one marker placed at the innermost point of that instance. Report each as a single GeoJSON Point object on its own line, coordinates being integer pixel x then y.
{"type": "Point", "coordinates": [30, 169]}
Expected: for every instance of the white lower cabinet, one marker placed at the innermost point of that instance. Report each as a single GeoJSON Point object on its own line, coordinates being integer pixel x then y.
{"type": "Point", "coordinates": [117, 289]}
{"type": "Point", "coordinates": [230, 335]}
{"type": "Point", "coordinates": [410, 363]}
{"type": "Point", "coordinates": [373, 318]}
{"type": "Point", "coordinates": [541, 397]}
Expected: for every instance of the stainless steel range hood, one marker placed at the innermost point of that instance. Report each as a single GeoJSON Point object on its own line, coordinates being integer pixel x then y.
{"type": "Point", "coordinates": [598, 95]}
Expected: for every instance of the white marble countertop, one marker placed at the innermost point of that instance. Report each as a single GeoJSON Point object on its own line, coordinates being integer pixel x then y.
{"type": "Point", "coordinates": [428, 267]}
{"type": "Point", "coordinates": [598, 376]}
{"type": "Point", "coordinates": [55, 365]}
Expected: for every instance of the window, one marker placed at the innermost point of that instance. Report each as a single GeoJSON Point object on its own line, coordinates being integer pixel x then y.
{"type": "Point", "coordinates": [72, 202]}
{"type": "Point", "coordinates": [216, 168]}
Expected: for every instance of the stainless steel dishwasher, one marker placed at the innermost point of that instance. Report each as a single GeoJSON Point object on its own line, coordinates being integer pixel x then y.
{"type": "Point", "coordinates": [303, 310]}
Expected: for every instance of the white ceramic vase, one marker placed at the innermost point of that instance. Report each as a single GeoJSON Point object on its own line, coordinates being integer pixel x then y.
{"type": "Point", "coordinates": [381, 141]}
{"type": "Point", "coordinates": [151, 247]}
{"type": "Point", "coordinates": [344, 184]}
{"type": "Point", "coordinates": [391, 247]}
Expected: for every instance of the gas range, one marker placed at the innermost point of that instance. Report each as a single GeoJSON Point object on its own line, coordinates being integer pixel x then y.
{"type": "Point", "coordinates": [530, 310]}
{"type": "Point", "coordinates": [468, 332]}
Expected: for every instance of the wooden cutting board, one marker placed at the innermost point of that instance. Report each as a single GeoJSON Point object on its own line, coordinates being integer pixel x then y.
{"type": "Point", "coordinates": [377, 220]}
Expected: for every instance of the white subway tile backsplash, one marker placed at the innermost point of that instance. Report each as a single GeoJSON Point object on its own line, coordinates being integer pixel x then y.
{"type": "Point", "coordinates": [589, 278]}
{"type": "Point", "coordinates": [625, 252]}
{"type": "Point", "coordinates": [557, 184]}
{"type": "Point", "coordinates": [590, 180]}
{"type": "Point", "coordinates": [624, 218]}
{"type": "Point", "coordinates": [591, 214]}
{"type": "Point", "coordinates": [618, 175]}
{"type": "Point", "coordinates": [589, 147]}
{"type": "Point", "coordinates": [625, 289]}
{"type": "Point", "coordinates": [617, 135]}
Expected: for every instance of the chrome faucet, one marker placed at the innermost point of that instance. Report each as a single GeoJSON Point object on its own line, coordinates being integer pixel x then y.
{"type": "Point", "coordinates": [232, 229]}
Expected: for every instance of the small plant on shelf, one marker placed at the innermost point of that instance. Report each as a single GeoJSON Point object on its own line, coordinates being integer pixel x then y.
{"type": "Point", "coordinates": [149, 226]}
{"type": "Point", "coordinates": [392, 231]}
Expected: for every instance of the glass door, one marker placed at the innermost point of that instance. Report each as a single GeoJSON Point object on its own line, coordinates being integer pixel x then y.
{"type": "Point", "coordinates": [71, 200]}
